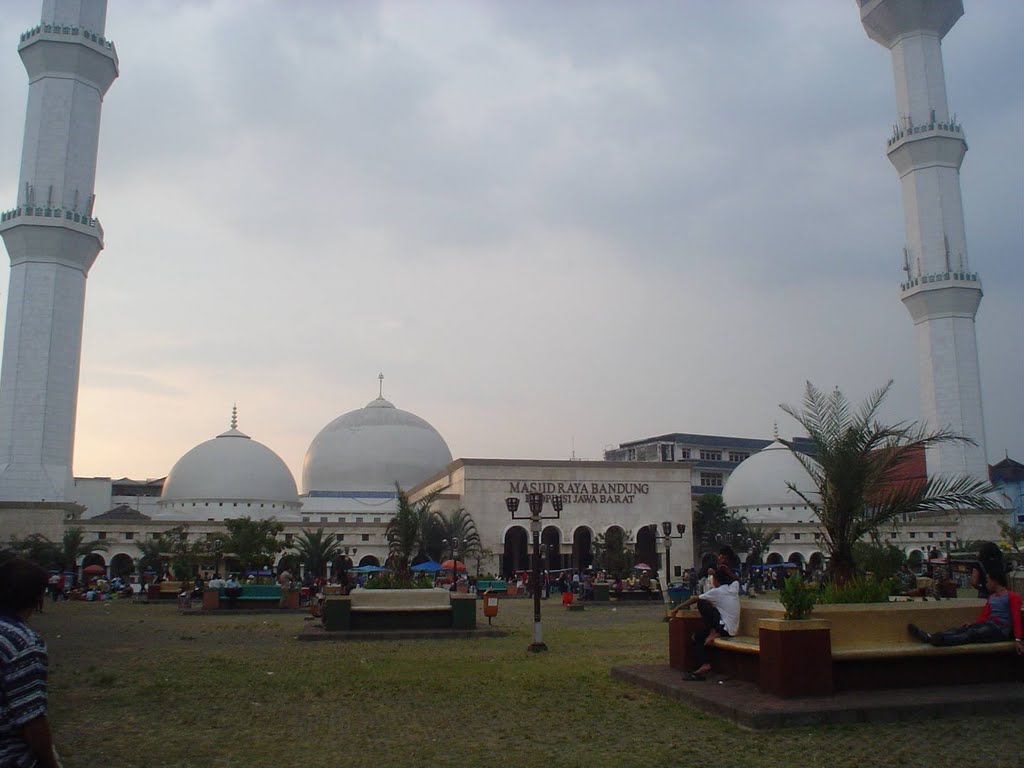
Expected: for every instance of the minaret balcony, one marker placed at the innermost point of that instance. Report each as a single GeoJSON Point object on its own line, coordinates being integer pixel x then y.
{"type": "Point", "coordinates": [58, 31]}
{"type": "Point", "coordinates": [942, 277]}
{"type": "Point", "coordinates": [51, 217]}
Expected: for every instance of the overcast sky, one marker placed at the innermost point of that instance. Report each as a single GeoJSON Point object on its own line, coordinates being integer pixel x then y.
{"type": "Point", "coordinates": [550, 225]}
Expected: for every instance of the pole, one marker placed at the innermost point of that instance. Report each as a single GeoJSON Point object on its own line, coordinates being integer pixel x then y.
{"type": "Point", "coordinates": [538, 633]}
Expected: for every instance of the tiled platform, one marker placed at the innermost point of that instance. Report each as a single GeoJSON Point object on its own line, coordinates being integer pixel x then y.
{"type": "Point", "coordinates": [744, 704]}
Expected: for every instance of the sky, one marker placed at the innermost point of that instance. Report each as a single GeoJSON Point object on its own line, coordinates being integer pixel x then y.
{"type": "Point", "coordinates": [554, 227]}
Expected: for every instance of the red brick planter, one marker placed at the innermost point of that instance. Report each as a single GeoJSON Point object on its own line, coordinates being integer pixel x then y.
{"type": "Point", "coordinates": [796, 657]}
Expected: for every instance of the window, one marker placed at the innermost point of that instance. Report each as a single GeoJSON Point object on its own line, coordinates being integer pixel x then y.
{"type": "Point", "coordinates": [913, 535]}
{"type": "Point", "coordinates": [707, 455]}
{"type": "Point", "coordinates": [817, 536]}
{"type": "Point", "coordinates": [101, 535]}
{"type": "Point", "coordinates": [154, 536]}
{"type": "Point", "coordinates": [738, 456]}
{"type": "Point", "coordinates": [931, 535]}
{"type": "Point", "coordinates": [892, 535]}
{"type": "Point", "coordinates": [796, 537]}
{"type": "Point", "coordinates": [359, 519]}
{"type": "Point", "coordinates": [778, 536]}
{"type": "Point", "coordinates": [323, 519]}
{"type": "Point", "coordinates": [713, 479]}
{"type": "Point", "coordinates": [631, 454]}
{"type": "Point", "coordinates": [682, 453]}
{"type": "Point", "coordinates": [305, 519]}
{"type": "Point", "coordinates": [288, 538]}
{"type": "Point", "coordinates": [341, 537]}
{"type": "Point", "coordinates": [366, 537]}
{"type": "Point", "coordinates": [666, 453]}
{"type": "Point", "coordinates": [949, 534]}
{"type": "Point", "coordinates": [129, 535]}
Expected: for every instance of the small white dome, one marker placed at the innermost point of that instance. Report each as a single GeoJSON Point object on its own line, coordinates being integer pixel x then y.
{"type": "Point", "coordinates": [371, 449]}
{"type": "Point", "coordinates": [757, 487]}
{"type": "Point", "coordinates": [231, 467]}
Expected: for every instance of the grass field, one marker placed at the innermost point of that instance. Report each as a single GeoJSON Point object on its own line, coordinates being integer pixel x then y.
{"type": "Point", "coordinates": [142, 685]}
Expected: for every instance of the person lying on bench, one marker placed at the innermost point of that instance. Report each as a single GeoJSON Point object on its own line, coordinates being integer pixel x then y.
{"type": "Point", "coordinates": [720, 609]}
{"type": "Point", "coordinates": [998, 621]}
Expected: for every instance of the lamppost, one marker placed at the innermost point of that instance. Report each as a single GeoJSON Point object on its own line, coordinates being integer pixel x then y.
{"type": "Point", "coordinates": [454, 544]}
{"type": "Point", "coordinates": [536, 504]}
{"type": "Point", "coordinates": [666, 529]}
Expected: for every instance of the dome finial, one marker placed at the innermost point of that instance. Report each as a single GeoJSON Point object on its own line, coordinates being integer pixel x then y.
{"type": "Point", "coordinates": [775, 429]}
{"type": "Point", "coordinates": [380, 378]}
{"type": "Point", "coordinates": [234, 416]}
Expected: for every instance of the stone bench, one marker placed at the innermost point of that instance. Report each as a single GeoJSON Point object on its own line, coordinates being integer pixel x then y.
{"type": "Point", "coordinates": [385, 610]}
{"type": "Point", "coordinates": [859, 646]}
{"type": "Point", "coordinates": [253, 596]}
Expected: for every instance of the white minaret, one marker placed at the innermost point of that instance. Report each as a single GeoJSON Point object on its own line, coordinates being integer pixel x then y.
{"type": "Point", "coordinates": [941, 291]}
{"type": "Point", "coordinates": [53, 240]}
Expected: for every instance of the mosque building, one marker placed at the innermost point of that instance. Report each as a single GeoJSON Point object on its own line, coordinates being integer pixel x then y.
{"type": "Point", "coordinates": [352, 465]}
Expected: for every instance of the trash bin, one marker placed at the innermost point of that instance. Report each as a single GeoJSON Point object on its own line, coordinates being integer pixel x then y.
{"type": "Point", "coordinates": [463, 611]}
{"type": "Point", "coordinates": [490, 605]}
{"type": "Point", "coordinates": [601, 592]}
{"type": "Point", "coordinates": [677, 595]}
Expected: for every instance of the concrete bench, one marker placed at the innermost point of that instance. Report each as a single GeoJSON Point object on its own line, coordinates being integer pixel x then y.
{"type": "Point", "coordinates": [383, 610]}
{"type": "Point", "coordinates": [400, 600]}
{"type": "Point", "coordinates": [866, 645]}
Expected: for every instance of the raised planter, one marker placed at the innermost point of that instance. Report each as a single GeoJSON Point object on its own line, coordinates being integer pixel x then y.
{"type": "Point", "coordinates": [399, 609]}
{"type": "Point", "coordinates": [796, 657]}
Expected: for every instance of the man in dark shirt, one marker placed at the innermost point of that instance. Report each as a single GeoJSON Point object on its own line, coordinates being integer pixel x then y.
{"type": "Point", "coordinates": [25, 740]}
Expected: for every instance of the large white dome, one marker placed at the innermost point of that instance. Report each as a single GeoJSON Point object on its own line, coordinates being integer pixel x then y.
{"type": "Point", "coordinates": [231, 467]}
{"type": "Point", "coordinates": [371, 449]}
{"type": "Point", "coordinates": [757, 487]}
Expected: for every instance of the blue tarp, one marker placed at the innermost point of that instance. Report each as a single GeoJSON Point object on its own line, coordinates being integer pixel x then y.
{"type": "Point", "coordinates": [431, 566]}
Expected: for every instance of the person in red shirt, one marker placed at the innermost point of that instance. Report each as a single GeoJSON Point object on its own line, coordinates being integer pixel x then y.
{"type": "Point", "coordinates": [999, 621]}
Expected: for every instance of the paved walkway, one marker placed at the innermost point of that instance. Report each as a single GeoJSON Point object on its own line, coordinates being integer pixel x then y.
{"type": "Point", "coordinates": [744, 704]}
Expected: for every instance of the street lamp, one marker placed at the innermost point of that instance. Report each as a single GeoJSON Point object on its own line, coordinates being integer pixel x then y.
{"type": "Point", "coordinates": [666, 529]}
{"type": "Point", "coordinates": [536, 503]}
{"type": "Point", "coordinates": [454, 544]}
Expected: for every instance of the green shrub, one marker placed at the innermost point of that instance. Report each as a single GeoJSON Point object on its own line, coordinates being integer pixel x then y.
{"type": "Point", "coordinates": [859, 590]}
{"type": "Point", "coordinates": [393, 581]}
{"type": "Point", "coordinates": [797, 597]}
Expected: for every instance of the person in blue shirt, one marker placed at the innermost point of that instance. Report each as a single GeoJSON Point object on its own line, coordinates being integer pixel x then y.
{"type": "Point", "coordinates": [25, 739]}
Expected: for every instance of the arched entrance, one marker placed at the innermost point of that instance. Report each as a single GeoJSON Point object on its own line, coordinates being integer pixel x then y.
{"type": "Point", "coordinates": [582, 548]}
{"type": "Point", "coordinates": [368, 560]}
{"type": "Point", "coordinates": [93, 558]}
{"type": "Point", "coordinates": [915, 559]}
{"type": "Point", "coordinates": [122, 565]}
{"type": "Point", "coordinates": [514, 556]}
{"type": "Point", "coordinates": [817, 561]}
{"type": "Point", "coordinates": [797, 559]}
{"type": "Point", "coordinates": [289, 561]}
{"type": "Point", "coordinates": [774, 559]}
{"type": "Point", "coordinates": [551, 546]}
{"type": "Point", "coordinates": [647, 547]}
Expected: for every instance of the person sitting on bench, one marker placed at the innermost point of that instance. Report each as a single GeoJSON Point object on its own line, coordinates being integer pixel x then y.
{"type": "Point", "coordinates": [720, 609]}
{"type": "Point", "coordinates": [999, 620]}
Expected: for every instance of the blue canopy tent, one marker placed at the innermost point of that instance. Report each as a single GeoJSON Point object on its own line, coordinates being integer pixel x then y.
{"type": "Point", "coordinates": [431, 566]}
{"type": "Point", "coordinates": [368, 569]}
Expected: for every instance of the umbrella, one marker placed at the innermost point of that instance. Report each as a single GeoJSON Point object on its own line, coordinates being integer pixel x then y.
{"type": "Point", "coordinates": [431, 566]}
{"type": "Point", "coordinates": [94, 570]}
{"type": "Point", "coordinates": [641, 567]}
{"type": "Point", "coordinates": [447, 565]}
{"type": "Point", "coordinates": [368, 569]}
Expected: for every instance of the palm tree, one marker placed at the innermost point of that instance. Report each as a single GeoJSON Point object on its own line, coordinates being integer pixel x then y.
{"type": "Point", "coordinates": [151, 554]}
{"type": "Point", "coordinates": [855, 469]}
{"type": "Point", "coordinates": [316, 550]}
{"type": "Point", "coordinates": [459, 524]}
{"type": "Point", "coordinates": [73, 546]}
{"type": "Point", "coordinates": [405, 531]}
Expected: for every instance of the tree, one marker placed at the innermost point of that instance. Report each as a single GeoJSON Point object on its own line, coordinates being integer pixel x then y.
{"type": "Point", "coordinates": [35, 547]}
{"type": "Point", "coordinates": [185, 556]}
{"type": "Point", "coordinates": [760, 537]}
{"type": "Point", "coordinates": [878, 557]}
{"type": "Point", "coordinates": [611, 553]}
{"type": "Point", "coordinates": [73, 547]}
{"type": "Point", "coordinates": [253, 542]}
{"type": "Point", "coordinates": [459, 524]}
{"type": "Point", "coordinates": [855, 468]}
{"type": "Point", "coordinates": [711, 520]}
{"type": "Point", "coordinates": [1012, 536]}
{"type": "Point", "coordinates": [406, 530]}
{"type": "Point", "coordinates": [151, 554]}
{"type": "Point", "coordinates": [316, 550]}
